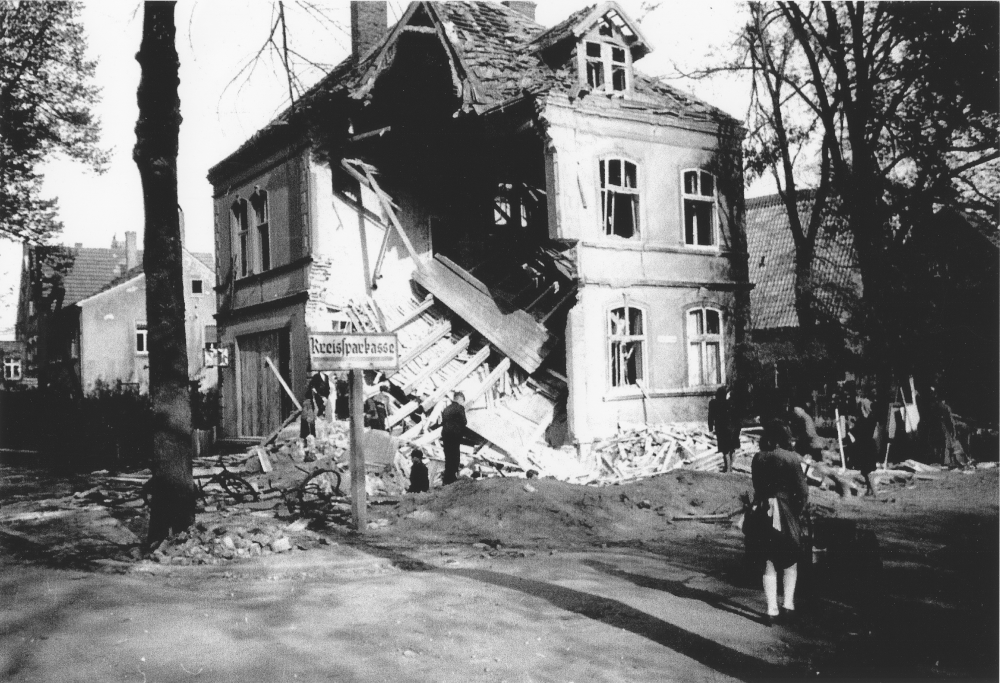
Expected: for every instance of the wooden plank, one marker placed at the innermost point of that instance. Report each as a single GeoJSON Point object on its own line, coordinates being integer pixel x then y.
{"type": "Point", "coordinates": [281, 381]}
{"type": "Point", "coordinates": [437, 364]}
{"type": "Point", "coordinates": [516, 333]}
{"type": "Point", "coordinates": [490, 380]}
{"type": "Point", "coordinates": [401, 414]}
{"type": "Point", "coordinates": [414, 314]}
{"type": "Point", "coordinates": [427, 342]}
{"type": "Point", "coordinates": [471, 365]}
{"type": "Point", "coordinates": [274, 435]}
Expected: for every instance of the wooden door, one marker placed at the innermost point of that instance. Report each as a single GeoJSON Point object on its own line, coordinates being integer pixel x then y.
{"type": "Point", "coordinates": [262, 403]}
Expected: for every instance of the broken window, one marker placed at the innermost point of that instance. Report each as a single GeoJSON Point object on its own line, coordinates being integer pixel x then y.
{"type": "Point", "coordinates": [12, 369]}
{"type": "Point", "coordinates": [619, 197]}
{"type": "Point", "coordinates": [606, 61]}
{"type": "Point", "coordinates": [263, 230]}
{"type": "Point", "coordinates": [595, 66]}
{"type": "Point", "coordinates": [704, 332]}
{"type": "Point", "coordinates": [626, 346]}
{"type": "Point", "coordinates": [698, 193]}
{"type": "Point", "coordinates": [141, 339]}
{"type": "Point", "coordinates": [197, 286]}
{"type": "Point", "coordinates": [241, 229]}
{"type": "Point", "coordinates": [511, 205]}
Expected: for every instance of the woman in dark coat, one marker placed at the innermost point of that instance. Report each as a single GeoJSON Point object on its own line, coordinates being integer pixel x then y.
{"type": "Point", "coordinates": [774, 532]}
{"type": "Point", "coordinates": [864, 449]}
{"type": "Point", "coordinates": [722, 420]}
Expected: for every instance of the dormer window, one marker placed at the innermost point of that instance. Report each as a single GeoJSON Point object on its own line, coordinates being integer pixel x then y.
{"type": "Point", "coordinates": [607, 62]}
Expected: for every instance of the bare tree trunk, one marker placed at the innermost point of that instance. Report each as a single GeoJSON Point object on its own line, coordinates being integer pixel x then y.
{"type": "Point", "coordinates": [172, 504]}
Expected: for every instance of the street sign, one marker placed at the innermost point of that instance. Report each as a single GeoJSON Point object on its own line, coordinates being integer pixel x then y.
{"type": "Point", "coordinates": [365, 351]}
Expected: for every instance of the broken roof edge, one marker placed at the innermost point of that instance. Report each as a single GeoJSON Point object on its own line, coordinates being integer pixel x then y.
{"type": "Point", "coordinates": [583, 20]}
{"type": "Point", "coordinates": [721, 126]}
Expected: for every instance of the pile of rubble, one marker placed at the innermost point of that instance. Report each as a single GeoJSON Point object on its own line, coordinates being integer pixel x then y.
{"type": "Point", "coordinates": [215, 544]}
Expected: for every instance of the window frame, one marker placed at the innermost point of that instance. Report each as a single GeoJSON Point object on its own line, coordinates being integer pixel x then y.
{"type": "Point", "coordinates": [608, 42]}
{"type": "Point", "coordinates": [141, 331]}
{"type": "Point", "coordinates": [201, 286]}
{"type": "Point", "coordinates": [241, 236]}
{"type": "Point", "coordinates": [703, 339]}
{"type": "Point", "coordinates": [641, 339]}
{"type": "Point", "coordinates": [12, 369]}
{"type": "Point", "coordinates": [697, 196]}
{"type": "Point", "coordinates": [604, 189]}
{"type": "Point", "coordinates": [261, 229]}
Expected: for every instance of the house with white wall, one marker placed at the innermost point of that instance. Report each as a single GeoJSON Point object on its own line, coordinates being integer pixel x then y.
{"type": "Point", "coordinates": [544, 227]}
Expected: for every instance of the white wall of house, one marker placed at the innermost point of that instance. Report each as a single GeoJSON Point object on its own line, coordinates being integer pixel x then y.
{"type": "Point", "coordinates": [654, 271]}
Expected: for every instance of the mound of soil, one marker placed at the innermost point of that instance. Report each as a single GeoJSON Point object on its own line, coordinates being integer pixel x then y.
{"type": "Point", "coordinates": [550, 513]}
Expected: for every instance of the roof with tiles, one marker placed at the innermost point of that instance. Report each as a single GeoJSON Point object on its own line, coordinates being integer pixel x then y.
{"type": "Point", "coordinates": [94, 269]}
{"type": "Point", "coordinates": [205, 259]}
{"type": "Point", "coordinates": [771, 249]}
{"type": "Point", "coordinates": [498, 48]}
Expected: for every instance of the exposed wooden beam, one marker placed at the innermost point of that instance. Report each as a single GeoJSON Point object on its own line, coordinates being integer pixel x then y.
{"type": "Point", "coordinates": [490, 380]}
{"type": "Point", "coordinates": [437, 364]}
{"type": "Point", "coordinates": [437, 333]}
{"type": "Point", "coordinates": [281, 380]}
{"type": "Point", "coordinates": [466, 370]}
{"type": "Point", "coordinates": [415, 313]}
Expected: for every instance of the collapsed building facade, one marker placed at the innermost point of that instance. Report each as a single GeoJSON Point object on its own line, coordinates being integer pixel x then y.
{"type": "Point", "coordinates": [545, 228]}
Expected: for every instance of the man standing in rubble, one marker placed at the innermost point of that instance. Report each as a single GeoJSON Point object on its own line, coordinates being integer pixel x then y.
{"type": "Point", "coordinates": [453, 424]}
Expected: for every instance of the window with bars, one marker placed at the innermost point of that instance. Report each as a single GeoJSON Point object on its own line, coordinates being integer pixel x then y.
{"type": "Point", "coordinates": [619, 197]}
{"type": "Point", "coordinates": [626, 346]}
{"type": "Point", "coordinates": [704, 337]}
{"type": "Point", "coordinates": [698, 194]}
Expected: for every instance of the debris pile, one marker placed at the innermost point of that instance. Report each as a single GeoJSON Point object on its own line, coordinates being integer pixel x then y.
{"type": "Point", "coordinates": [215, 544]}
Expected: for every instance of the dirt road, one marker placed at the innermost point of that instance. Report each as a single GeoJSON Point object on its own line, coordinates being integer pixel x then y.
{"type": "Point", "coordinates": [400, 606]}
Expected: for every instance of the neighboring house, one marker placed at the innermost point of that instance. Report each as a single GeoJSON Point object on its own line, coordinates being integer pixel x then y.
{"type": "Point", "coordinates": [784, 360]}
{"type": "Point", "coordinates": [543, 226]}
{"type": "Point", "coordinates": [12, 360]}
{"type": "Point", "coordinates": [81, 311]}
{"type": "Point", "coordinates": [113, 328]}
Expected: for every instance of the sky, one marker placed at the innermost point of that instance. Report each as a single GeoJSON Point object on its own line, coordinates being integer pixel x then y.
{"type": "Point", "coordinates": [222, 103]}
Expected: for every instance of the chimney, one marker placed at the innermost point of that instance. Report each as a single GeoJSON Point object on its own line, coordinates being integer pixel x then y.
{"type": "Point", "coordinates": [368, 26]}
{"type": "Point", "coordinates": [131, 255]}
{"type": "Point", "coordinates": [525, 8]}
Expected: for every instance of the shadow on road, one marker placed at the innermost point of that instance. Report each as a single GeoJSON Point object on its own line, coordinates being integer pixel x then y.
{"type": "Point", "coordinates": [721, 658]}
{"type": "Point", "coordinates": [679, 589]}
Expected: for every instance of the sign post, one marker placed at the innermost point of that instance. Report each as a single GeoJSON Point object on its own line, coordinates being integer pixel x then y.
{"type": "Point", "coordinates": [356, 353]}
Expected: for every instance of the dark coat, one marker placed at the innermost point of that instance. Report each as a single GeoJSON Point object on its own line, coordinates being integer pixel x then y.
{"type": "Point", "coordinates": [722, 420]}
{"type": "Point", "coordinates": [419, 480]}
{"type": "Point", "coordinates": [777, 474]}
{"type": "Point", "coordinates": [453, 421]}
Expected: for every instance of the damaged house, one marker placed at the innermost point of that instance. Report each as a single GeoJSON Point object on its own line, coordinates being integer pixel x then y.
{"type": "Point", "coordinates": [544, 227]}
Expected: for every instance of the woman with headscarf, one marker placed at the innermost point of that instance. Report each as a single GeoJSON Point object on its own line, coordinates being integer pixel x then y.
{"type": "Point", "coordinates": [722, 420]}
{"type": "Point", "coordinates": [774, 528]}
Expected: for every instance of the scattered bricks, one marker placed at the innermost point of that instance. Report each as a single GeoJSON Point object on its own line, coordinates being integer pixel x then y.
{"type": "Point", "coordinates": [645, 505]}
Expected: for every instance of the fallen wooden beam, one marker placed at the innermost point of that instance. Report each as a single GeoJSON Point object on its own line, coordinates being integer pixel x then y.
{"type": "Point", "coordinates": [415, 313]}
{"type": "Point", "coordinates": [281, 380]}
{"type": "Point", "coordinates": [274, 435]}
{"type": "Point", "coordinates": [436, 334]}
{"type": "Point", "coordinates": [437, 364]}
{"type": "Point", "coordinates": [466, 370]}
{"type": "Point", "coordinates": [490, 380]}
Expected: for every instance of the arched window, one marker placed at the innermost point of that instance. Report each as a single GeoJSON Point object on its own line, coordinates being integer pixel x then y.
{"type": "Point", "coordinates": [261, 214]}
{"type": "Point", "coordinates": [698, 194]}
{"type": "Point", "coordinates": [704, 338]}
{"type": "Point", "coordinates": [241, 232]}
{"type": "Point", "coordinates": [626, 346]}
{"type": "Point", "coordinates": [619, 197]}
